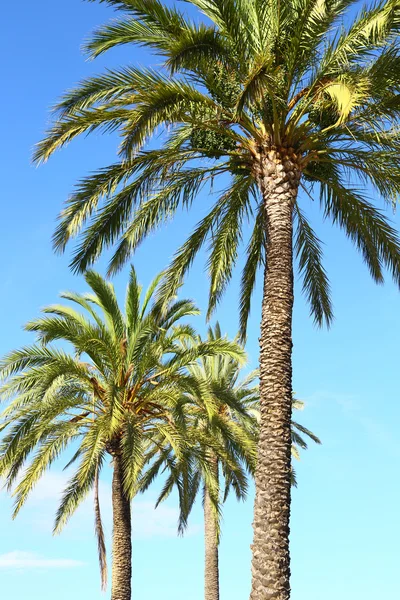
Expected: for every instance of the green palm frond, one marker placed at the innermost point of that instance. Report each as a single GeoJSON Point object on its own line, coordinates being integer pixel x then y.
{"type": "Point", "coordinates": [194, 47]}
{"type": "Point", "coordinates": [377, 240]}
{"type": "Point", "coordinates": [153, 24]}
{"type": "Point", "coordinates": [118, 389]}
{"type": "Point", "coordinates": [254, 260]}
{"type": "Point", "coordinates": [113, 84]}
{"type": "Point", "coordinates": [76, 491]}
{"type": "Point", "coordinates": [84, 121]}
{"type": "Point", "coordinates": [226, 239]}
{"type": "Point", "coordinates": [221, 416]}
{"type": "Point", "coordinates": [101, 544]}
{"type": "Point", "coordinates": [159, 208]}
{"type": "Point", "coordinates": [315, 281]}
{"type": "Point", "coordinates": [250, 78]}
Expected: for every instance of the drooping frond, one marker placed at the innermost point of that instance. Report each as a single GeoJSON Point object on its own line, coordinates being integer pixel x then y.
{"type": "Point", "coordinates": [302, 78]}
{"type": "Point", "coordinates": [101, 544]}
{"type": "Point", "coordinates": [376, 239]}
{"type": "Point", "coordinates": [226, 237]}
{"type": "Point", "coordinates": [185, 256]}
{"type": "Point", "coordinates": [150, 168]}
{"type": "Point", "coordinates": [105, 119]}
{"type": "Point", "coordinates": [159, 208]}
{"type": "Point", "coordinates": [254, 260]}
{"type": "Point", "coordinates": [76, 491]}
{"type": "Point", "coordinates": [315, 282]}
{"type": "Point", "coordinates": [118, 390]}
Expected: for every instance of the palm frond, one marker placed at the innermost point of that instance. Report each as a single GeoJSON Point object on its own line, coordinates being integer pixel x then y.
{"type": "Point", "coordinates": [84, 121]}
{"type": "Point", "coordinates": [315, 282]}
{"type": "Point", "coordinates": [226, 239]}
{"type": "Point", "coordinates": [100, 534]}
{"type": "Point", "coordinates": [366, 226]}
{"type": "Point", "coordinates": [254, 260]}
{"type": "Point", "coordinates": [153, 24]}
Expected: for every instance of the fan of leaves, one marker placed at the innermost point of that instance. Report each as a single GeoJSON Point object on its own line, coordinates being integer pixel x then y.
{"type": "Point", "coordinates": [256, 75]}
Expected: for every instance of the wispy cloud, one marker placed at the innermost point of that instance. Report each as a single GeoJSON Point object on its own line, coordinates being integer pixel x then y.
{"type": "Point", "coordinates": [147, 522]}
{"type": "Point", "coordinates": [352, 407]}
{"type": "Point", "coordinates": [28, 560]}
{"type": "Point", "coordinates": [347, 402]}
{"type": "Point", "coordinates": [49, 487]}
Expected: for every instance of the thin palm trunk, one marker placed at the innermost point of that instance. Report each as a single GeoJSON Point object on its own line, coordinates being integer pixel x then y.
{"type": "Point", "coordinates": [271, 559]}
{"type": "Point", "coordinates": [122, 545]}
{"type": "Point", "coordinates": [211, 566]}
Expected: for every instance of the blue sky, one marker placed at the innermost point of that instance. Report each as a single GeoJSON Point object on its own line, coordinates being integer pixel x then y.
{"type": "Point", "coordinates": [345, 528]}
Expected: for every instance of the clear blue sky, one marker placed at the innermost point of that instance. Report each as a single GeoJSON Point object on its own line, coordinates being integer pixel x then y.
{"type": "Point", "coordinates": [345, 525]}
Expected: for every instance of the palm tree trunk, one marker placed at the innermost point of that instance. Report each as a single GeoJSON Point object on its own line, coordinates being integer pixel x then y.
{"type": "Point", "coordinates": [271, 560]}
{"type": "Point", "coordinates": [122, 545]}
{"type": "Point", "coordinates": [211, 566]}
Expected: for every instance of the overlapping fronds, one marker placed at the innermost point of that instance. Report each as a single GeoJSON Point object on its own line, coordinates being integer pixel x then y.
{"type": "Point", "coordinates": [315, 282]}
{"type": "Point", "coordinates": [119, 391]}
{"type": "Point", "coordinates": [221, 415]}
{"type": "Point", "coordinates": [303, 75]}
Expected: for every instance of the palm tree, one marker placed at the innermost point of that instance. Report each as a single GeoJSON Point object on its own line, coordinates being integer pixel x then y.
{"type": "Point", "coordinates": [220, 409]}
{"type": "Point", "coordinates": [282, 98]}
{"type": "Point", "coordinates": [222, 412]}
{"type": "Point", "coordinates": [221, 428]}
{"type": "Point", "coordinates": [117, 394]}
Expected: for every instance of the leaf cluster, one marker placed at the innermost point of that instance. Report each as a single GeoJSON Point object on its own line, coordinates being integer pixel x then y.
{"type": "Point", "coordinates": [254, 75]}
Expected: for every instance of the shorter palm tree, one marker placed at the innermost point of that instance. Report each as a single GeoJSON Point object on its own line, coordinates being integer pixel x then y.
{"type": "Point", "coordinates": [117, 394]}
{"type": "Point", "coordinates": [222, 421]}
{"type": "Point", "coordinates": [225, 428]}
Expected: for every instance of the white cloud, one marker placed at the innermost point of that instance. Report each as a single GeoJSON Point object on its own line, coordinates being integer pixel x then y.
{"type": "Point", "coordinates": [347, 402]}
{"type": "Point", "coordinates": [49, 487]}
{"type": "Point", "coordinates": [147, 522]}
{"type": "Point", "coordinates": [352, 407]}
{"type": "Point", "coordinates": [28, 560]}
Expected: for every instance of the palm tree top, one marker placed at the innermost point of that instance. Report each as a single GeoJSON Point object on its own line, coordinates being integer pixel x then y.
{"type": "Point", "coordinates": [256, 86]}
{"type": "Point", "coordinates": [113, 390]}
{"type": "Point", "coordinates": [222, 412]}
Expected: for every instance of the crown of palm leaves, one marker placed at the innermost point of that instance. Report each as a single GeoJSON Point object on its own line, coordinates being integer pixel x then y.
{"type": "Point", "coordinates": [222, 421]}
{"type": "Point", "coordinates": [255, 76]}
{"type": "Point", "coordinates": [118, 391]}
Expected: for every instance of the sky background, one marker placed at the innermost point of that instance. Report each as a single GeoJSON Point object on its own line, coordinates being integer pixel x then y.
{"type": "Point", "coordinates": [345, 525]}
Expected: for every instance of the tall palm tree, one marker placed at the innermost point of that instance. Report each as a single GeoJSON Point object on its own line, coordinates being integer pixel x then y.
{"type": "Point", "coordinates": [117, 394]}
{"type": "Point", "coordinates": [222, 413]}
{"type": "Point", "coordinates": [282, 98]}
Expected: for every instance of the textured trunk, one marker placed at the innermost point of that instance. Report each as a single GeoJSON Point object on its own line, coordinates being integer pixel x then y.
{"type": "Point", "coordinates": [122, 546]}
{"type": "Point", "coordinates": [211, 568]}
{"type": "Point", "coordinates": [278, 179]}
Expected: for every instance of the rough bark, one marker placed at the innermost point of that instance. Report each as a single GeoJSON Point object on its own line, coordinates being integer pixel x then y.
{"type": "Point", "coordinates": [278, 178]}
{"type": "Point", "coordinates": [211, 566]}
{"type": "Point", "coordinates": [121, 544]}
